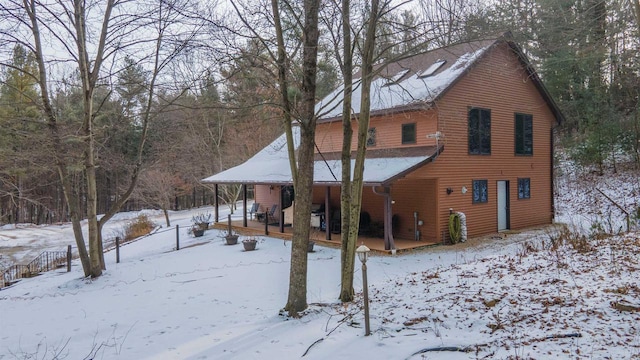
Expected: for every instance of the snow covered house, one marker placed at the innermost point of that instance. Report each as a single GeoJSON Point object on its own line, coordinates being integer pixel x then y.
{"type": "Point", "coordinates": [466, 128]}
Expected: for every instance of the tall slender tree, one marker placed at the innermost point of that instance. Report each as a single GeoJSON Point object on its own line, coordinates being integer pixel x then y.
{"type": "Point", "coordinates": [90, 46]}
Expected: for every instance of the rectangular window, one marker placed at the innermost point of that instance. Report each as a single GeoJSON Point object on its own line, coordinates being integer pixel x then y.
{"type": "Point", "coordinates": [371, 137]}
{"type": "Point", "coordinates": [479, 131]}
{"type": "Point", "coordinates": [524, 134]}
{"type": "Point", "coordinates": [480, 191]}
{"type": "Point", "coordinates": [524, 188]}
{"type": "Point", "coordinates": [409, 133]}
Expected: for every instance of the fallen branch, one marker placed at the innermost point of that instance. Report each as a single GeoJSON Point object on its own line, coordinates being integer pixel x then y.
{"type": "Point", "coordinates": [465, 349]}
{"type": "Point", "coordinates": [342, 321]}
{"type": "Point", "coordinates": [624, 306]}
{"type": "Point", "coordinates": [562, 336]}
{"type": "Point", "coordinates": [310, 346]}
{"type": "Point", "coordinates": [471, 348]}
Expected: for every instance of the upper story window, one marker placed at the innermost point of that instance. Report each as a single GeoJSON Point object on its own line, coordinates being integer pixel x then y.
{"type": "Point", "coordinates": [371, 137]}
{"type": "Point", "coordinates": [409, 133]}
{"type": "Point", "coordinates": [524, 134]}
{"type": "Point", "coordinates": [479, 131]}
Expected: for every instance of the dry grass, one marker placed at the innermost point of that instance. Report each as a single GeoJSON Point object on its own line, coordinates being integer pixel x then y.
{"type": "Point", "coordinates": [140, 226]}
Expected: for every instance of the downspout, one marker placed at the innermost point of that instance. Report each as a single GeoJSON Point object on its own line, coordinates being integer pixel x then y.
{"type": "Point", "coordinates": [389, 243]}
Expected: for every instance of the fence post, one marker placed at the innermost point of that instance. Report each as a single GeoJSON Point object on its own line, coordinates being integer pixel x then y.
{"type": "Point", "coordinates": [177, 237]}
{"type": "Point", "coordinates": [117, 249]}
{"type": "Point", "coordinates": [69, 258]}
{"type": "Point", "coordinates": [266, 223]}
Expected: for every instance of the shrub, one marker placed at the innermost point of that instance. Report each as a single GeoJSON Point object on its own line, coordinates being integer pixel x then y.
{"type": "Point", "coordinates": [572, 239]}
{"type": "Point", "coordinates": [201, 220]}
{"type": "Point", "coordinates": [140, 226]}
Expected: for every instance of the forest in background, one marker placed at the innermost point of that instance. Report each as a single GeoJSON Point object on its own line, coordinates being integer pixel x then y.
{"type": "Point", "coordinates": [214, 101]}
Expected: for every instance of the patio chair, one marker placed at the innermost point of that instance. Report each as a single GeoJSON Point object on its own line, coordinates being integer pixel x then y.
{"type": "Point", "coordinates": [255, 208]}
{"type": "Point", "coordinates": [267, 215]}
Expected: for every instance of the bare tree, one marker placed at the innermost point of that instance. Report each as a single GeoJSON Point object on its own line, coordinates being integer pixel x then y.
{"type": "Point", "coordinates": [94, 50]}
{"type": "Point", "coordinates": [302, 164]}
{"type": "Point", "coordinates": [158, 189]}
{"type": "Point", "coordinates": [397, 41]}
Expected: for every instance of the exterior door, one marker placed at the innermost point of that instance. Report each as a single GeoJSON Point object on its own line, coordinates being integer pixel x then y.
{"type": "Point", "coordinates": [503, 205]}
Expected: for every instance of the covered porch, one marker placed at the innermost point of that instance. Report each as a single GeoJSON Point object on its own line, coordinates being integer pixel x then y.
{"type": "Point", "coordinates": [257, 228]}
{"type": "Point", "coordinates": [269, 172]}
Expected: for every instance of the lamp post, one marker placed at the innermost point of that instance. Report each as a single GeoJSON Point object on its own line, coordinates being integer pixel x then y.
{"type": "Point", "coordinates": [363, 254]}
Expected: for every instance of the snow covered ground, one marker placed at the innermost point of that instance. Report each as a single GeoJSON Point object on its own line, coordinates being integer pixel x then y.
{"type": "Point", "coordinates": [537, 294]}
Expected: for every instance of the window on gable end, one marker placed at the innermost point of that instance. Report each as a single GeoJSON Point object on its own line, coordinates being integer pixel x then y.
{"type": "Point", "coordinates": [523, 134]}
{"type": "Point", "coordinates": [409, 133]}
{"type": "Point", "coordinates": [479, 131]}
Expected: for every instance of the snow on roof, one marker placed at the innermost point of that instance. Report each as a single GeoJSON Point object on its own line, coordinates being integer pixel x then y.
{"type": "Point", "coordinates": [398, 85]}
{"type": "Point", "coordinates": [271, 166]}
{"type": "Point", "coordinates": [409, 90]}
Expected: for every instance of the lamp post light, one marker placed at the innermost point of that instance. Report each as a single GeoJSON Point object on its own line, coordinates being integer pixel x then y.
{"type": "Point", "coordinates": [363, 254]}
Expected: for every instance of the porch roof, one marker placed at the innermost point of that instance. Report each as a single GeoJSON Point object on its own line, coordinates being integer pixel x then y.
{"type": "Point", "coordinates": [271, 165]}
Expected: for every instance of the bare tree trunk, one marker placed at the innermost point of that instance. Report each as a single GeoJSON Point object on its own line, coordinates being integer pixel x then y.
{"type": "Point", "coordinates": [349, 239]}
{"type": "Point", "coordinates": [166, 216]}
{"type": "Point", "coordinates": [346, 291]}
{"type": "Point", "coordinates": [52, 123]}
{"type": "Point", "coordinates": [303, 178]}
{"type": "Point", "coordinates": [89, 79]}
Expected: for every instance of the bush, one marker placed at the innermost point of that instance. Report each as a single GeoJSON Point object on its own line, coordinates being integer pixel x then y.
{"type": "Point", "coordinates": [140, 226]}
{"type": "Point", "coordinates": [573, 239]}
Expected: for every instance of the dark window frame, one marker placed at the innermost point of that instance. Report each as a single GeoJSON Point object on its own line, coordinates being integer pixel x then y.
{"type": "Point", "coordinates": [477, 196]}
{"type": "Point", "coordinates": [479, 131]}
{"type": "Point", "coordinates": [523, 134]}
{"type": "Point", "coordinates": [371, 137]}
{"type": "Point", "coordinates": [413, 137]}
{"type": "Point", "coordinates": [524, 188]}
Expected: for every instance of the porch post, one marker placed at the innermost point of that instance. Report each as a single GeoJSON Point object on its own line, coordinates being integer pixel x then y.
{"type": "Point", "coordinates": [281, 211]}
{"type": "Point", "coordinates": [389, 243]}
{"type": "Point", "coordinates": [327, 213]}
{"type": "Point", "coordinates": [216, 202]}
{"type": "Point", "coordinates": [244, 205]}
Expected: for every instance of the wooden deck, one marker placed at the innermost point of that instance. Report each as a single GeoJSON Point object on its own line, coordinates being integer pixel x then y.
{"type": "Point", "coordinates": [319, 237]}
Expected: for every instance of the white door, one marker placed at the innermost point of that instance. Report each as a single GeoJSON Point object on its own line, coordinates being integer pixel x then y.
{"type": "Point", "coordinates": [503, 205]}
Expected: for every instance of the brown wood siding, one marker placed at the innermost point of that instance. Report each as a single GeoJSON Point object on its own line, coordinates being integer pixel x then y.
{"type": "Point", "coordinates": [498, 83]}
{"type": "Point", "coordinates": [415, 195]}
{"type": "Point", "coordinates": [388, 131]}
{"type": "Point", "coordinates": [266, 196]}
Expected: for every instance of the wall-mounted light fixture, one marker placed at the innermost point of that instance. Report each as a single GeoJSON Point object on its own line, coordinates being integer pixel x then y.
{"type": "Point", "coordinates": [464, 189]}
{"type": "Point", "coordinates": [449, 191]}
